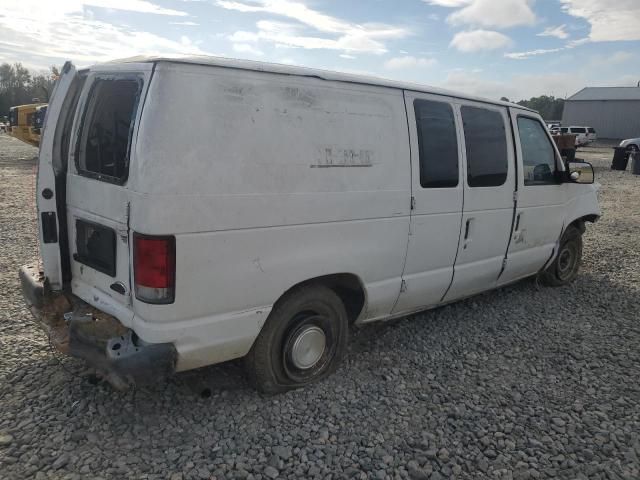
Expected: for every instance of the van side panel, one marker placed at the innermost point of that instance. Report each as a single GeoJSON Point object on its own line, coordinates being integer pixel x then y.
{"type": "Point", "coordinates": [266, 180]}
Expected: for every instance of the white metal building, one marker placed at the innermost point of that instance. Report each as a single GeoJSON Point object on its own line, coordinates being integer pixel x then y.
{"type": "Point", "coordinates": [613, 111]}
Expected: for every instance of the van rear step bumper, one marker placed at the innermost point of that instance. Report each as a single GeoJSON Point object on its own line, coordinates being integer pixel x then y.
{"type": "Point", "coordinates": [77, 329]}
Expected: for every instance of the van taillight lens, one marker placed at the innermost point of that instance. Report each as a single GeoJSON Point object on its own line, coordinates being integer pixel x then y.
{"type": "Point", "coordinates": [154, 268]}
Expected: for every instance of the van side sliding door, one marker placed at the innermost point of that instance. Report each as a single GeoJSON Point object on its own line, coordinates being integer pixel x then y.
{"type": "Point", "coordinates": [436, 183]}
{"type": "Point", "coordinates": [489, 186]}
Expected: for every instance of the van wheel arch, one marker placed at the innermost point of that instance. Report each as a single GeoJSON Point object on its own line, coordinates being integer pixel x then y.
{"type": "Point", "coordinates": [348, 286]}
{"type": "Point", "coordinates": [579, 223]}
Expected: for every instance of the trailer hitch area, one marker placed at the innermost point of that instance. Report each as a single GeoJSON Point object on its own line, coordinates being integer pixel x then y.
{"type": "Point", "coordinates": [116, 352]}
{"type": "Point", "coordinates": [75, 328]}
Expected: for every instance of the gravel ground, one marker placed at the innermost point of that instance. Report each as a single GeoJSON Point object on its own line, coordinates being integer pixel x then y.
{"type": "Point", "coordinates": [524, 382]}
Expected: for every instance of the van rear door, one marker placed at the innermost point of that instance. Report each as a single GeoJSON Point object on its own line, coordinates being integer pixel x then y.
{"type": "Point", "coordinates": [98, 197]}
{"type": "Point", "coordinates": [51, 182]}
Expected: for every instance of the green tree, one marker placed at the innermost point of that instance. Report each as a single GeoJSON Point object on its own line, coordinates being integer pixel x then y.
{"type": "Point", "coordinates": [19, 86]}
{"type": "Point", "coordinates": [549, 107]}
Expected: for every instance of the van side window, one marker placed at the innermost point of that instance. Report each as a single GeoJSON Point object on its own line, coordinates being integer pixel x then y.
{"type": "Point", "coordinates": [107, 124]}
{"type": "Point", "coordinates": [538, 155]}
{"type": "Point", "coordinates": [486, 145]}
{"type": "Point", "coordinates": [438, 145]}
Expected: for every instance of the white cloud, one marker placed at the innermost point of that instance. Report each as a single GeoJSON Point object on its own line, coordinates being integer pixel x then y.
{"type": "Point", "coordinates": [558, 32]}
{"type": "Point", "coordinates": [494, 13]}
{"type": "Point", "coordinates": [610, 20]}
{"type": "Point", "coordinates": [141, 6]}
{"type": "Point", "coordinates": [617, 58]}
{"type": "Point", "coordinates": [399, 63]}
{"type": "Point", "coordinates": [347, 56]}
{"type": "Point", "coordinates": [478, 40]}
{"type": "Point", "coordinates": [248, 49]}
{"type": "Point", "coordinates": [516, 87]}
{"type": "Point", "coordinates": [532, 53]}
{"type": "Point", "coordinates": [329, 32]}
{"type": "Point", "coordinates": [448, 3]}
{"type": "Point", "coordinates": [185, 24]}
{"type": "Point", "coordinates": [65, 30]}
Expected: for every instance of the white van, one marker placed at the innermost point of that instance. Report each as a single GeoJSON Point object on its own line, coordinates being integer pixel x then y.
{"type": "Point", "coordinates": [197, 210]}
{"type": "Point", "coordinates": [581, 133]}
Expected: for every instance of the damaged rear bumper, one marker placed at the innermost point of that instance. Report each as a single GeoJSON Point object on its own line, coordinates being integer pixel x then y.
{"type": "Point", "coordinates": [77, 329]}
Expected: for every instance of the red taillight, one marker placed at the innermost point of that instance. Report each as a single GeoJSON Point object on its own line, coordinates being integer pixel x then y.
{"type": "Point", "coordinates": [154, 268]}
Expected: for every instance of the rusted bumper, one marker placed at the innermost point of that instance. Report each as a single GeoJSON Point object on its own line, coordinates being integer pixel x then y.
{"type": "Point", "coordinates": [77, 329]}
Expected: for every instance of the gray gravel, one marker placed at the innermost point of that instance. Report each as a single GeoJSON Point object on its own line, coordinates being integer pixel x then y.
{"type": "Point", "coordinates": [524, 382]}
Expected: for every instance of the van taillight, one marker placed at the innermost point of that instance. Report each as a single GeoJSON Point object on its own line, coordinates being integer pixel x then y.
{"type": "Point", "coordinates": [154, 268]}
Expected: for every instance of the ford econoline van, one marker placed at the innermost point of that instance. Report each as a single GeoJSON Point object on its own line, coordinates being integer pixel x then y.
{"type": "Point", "coordinates": [299, 203]}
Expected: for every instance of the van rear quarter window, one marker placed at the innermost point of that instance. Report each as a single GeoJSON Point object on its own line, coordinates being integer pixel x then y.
{"type": "Point", "coordinates": [107, 124]}
{"type": "Point", "coordinates": [486, 146]}
{"type": "Point", "coordinates": [438, 145]}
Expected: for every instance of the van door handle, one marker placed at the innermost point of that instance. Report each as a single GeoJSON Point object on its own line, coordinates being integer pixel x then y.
{"type": "Point", "coordinates": [467, 229]}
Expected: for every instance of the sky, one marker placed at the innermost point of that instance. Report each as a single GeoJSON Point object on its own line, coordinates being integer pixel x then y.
{"type": "Point", "coordinates": [492, 48]}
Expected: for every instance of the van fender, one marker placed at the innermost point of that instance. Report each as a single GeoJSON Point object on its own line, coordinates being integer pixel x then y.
{"type": "Point", "coordinates": [348, 286]}
{"type": "Point", "coordinates": [580, 209]}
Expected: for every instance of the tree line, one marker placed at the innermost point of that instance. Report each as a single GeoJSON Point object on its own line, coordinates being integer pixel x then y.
{"type": "Point", "coordinates": [549, 106]}
{"type": "Point", "coordinates": [19, 86]}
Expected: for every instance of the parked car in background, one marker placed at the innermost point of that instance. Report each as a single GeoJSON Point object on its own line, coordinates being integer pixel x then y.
{"type": "Point", "coordinates": [3, 127]}
{"type": "Point", "coordinates": [591, 134]}
{"type": "Point", "coordinates": [555, 130]}
{"type": "Point", "coordinates": [631, 144]}
{"type": "Point", "coordinates": [580, 133]}
{"type": "Point", "coordinates": [304, 201]}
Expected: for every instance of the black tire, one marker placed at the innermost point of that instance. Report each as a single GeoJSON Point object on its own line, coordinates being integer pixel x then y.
{"type": "Point", "coordinates": [566, 265]}
{"type": "Point", "coordinates": [271, 363]}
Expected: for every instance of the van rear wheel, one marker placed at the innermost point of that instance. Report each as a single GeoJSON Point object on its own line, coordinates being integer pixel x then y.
{"type": "Point", "coordinates": [302, 341]}
{"type": "Point", "coordinates": [566, 265]}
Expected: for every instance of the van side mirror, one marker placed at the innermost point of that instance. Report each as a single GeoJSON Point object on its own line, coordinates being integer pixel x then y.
{"type": "Point", "coordinates": [580, 172]}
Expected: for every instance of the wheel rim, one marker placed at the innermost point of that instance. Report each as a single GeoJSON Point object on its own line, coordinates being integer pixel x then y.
{"type": "Point", "coordinates": [308, 347]}
{"type": "Point", "coordinates": [566, 261]}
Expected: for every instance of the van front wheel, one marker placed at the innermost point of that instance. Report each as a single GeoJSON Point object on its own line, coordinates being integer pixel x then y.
{"type": "Point", "coordinates": [302, 341]}
{"type": "Point", "coordinates": [564, 268]}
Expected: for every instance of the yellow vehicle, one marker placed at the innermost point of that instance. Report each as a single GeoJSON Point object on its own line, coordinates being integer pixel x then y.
{"type": "Point", "coordinates": [21, 120]}
{"type": "Point", "coordinates": [35, 130]}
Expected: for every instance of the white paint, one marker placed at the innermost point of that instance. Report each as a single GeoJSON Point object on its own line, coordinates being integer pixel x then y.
{"type": "Point", "coordinates": [269, 176]}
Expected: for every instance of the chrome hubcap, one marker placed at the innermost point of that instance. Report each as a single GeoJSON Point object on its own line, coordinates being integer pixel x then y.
{"type": "Point", "coordinates": [565, 262]}
{"type": "Point", "coordinates": [308, 347]}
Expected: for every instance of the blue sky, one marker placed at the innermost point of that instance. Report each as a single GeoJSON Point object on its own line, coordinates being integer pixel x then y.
{"type": "Point", "coordinates": [515, 48]}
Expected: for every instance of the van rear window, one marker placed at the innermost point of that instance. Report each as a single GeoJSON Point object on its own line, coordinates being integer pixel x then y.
{"type": "Point", "coordinates": [107, 124]}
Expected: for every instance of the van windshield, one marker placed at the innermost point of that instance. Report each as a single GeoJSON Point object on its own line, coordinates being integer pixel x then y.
{"type": "Point", "coordinates": [105, 139]}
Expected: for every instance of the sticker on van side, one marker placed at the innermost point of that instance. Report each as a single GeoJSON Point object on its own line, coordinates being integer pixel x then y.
{"type": "Point", "coordinates": [343, 157]}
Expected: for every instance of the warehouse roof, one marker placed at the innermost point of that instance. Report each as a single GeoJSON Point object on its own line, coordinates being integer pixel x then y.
{"type": "Point", "coordinates": [607, 93]}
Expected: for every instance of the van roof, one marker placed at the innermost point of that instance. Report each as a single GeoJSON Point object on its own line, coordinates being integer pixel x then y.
{"type": "Point", "coordinates": [311, 72]}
